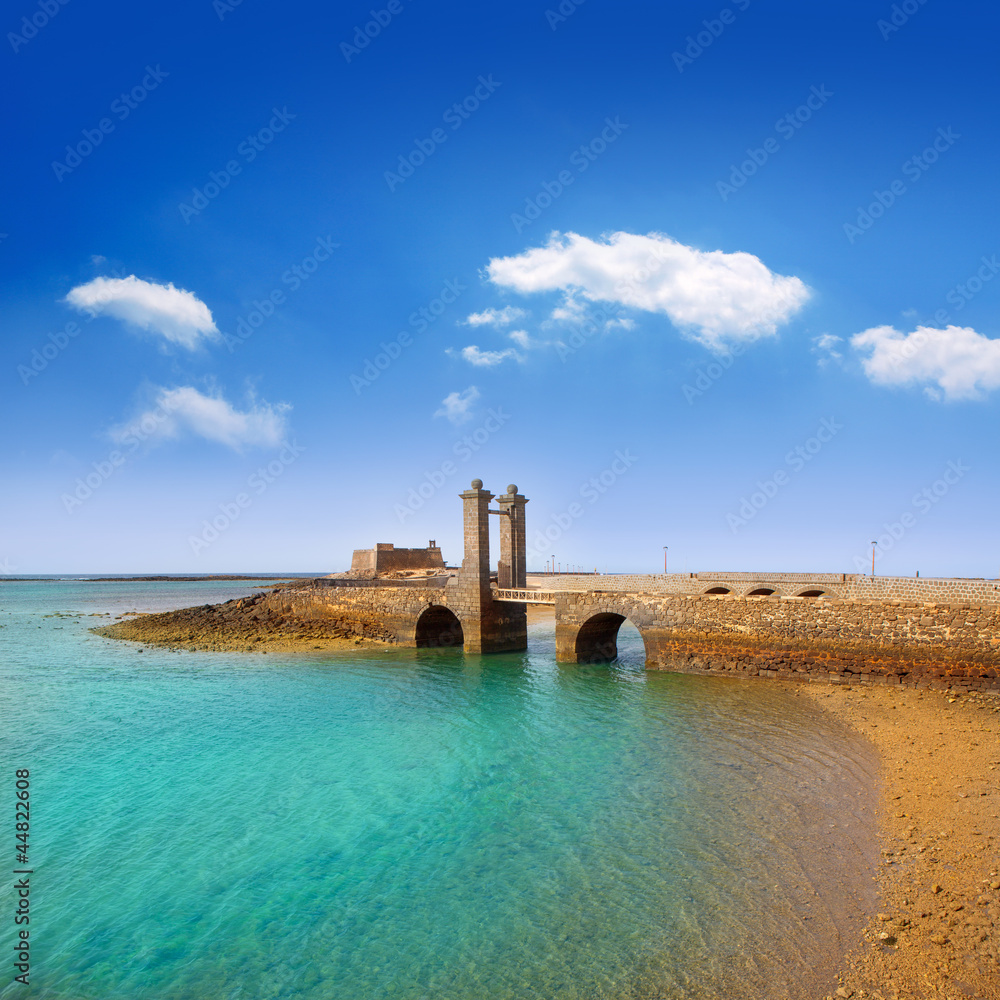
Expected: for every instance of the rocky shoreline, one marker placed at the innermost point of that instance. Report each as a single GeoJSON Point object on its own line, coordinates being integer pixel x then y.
{"type": "Point", "coordinates": [247, 624]}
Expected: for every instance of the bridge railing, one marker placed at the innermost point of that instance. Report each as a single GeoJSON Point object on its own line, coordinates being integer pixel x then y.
{"type": "Point", "coordinates": [525, 596]}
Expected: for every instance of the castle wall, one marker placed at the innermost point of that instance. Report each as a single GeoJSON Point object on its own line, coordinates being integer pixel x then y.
{"type": "Point", "coordinates": [386, 558]}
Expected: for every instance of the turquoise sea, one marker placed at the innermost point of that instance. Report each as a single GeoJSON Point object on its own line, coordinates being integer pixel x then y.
{"type": "Point", "coordinates": [415, 823]}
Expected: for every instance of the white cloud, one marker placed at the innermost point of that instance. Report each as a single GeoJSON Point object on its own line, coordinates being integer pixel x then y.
{"type": "Point", "coordinates": [455, 406]}
{"type": "Point", "coordinates": [185, 409]}
{"type": "Point", "coordinates": [709, 295]}
{"type": "Point", "coordinates": [522, 339]}
{"type": "Point", "coordinates": [495, 317]}
{"type": "Point", "coordinates": [826, 347]}
{"type": "Point", "coordinates": [174, 314]}
{"type": "Point", "coordinates": [486, 359]}
{"type": "Point", "coordinates": [953, 363]}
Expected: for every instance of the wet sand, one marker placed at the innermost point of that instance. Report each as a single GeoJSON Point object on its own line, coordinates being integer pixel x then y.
{"type": "Point", "coordinates": [939, 830]}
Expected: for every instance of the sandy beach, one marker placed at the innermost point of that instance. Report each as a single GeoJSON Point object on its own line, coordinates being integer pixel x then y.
{"type": "Point", "coordinates": [939, 823]}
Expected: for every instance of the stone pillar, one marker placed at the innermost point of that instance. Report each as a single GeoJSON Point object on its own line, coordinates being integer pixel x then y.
{"type": "Point", "coordinates": [488, 626]}
{"type": "Point", "coordinates": [512, 571]}
{"type": "Point", "coordinates": [473, 598]}
{"type": "Point", "coordinates": [476, 530]}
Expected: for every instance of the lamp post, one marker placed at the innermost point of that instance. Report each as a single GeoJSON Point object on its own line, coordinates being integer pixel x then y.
{"type": "Point", "coordinates": [665, 547]}
{"type": "Point", "coordinates": [553, 564]}
{"type": "Point", "coordinates": [873, 557]}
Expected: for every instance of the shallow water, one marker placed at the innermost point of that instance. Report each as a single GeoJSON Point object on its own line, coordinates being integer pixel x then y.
{"type": "Point", "coordinates": [417, 823]}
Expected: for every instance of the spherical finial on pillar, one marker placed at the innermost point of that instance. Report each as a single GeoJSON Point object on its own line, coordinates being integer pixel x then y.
{"type": "Point", "coordinates": [477, 484]}
{"type": "Point", "coordinates": [512, 489]}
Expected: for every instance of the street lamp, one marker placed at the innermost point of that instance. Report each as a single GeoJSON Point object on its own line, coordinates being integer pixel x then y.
{"type": "Point", "coordinates": [553, 564]}
{"type": "Point", "coordinates": [873, 557]}
{"type": "Point", "coordinates": [665, 547]}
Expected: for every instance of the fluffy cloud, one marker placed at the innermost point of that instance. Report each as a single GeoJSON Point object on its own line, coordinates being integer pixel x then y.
{"type": "Point", "coordinates": [455, 406]}
{"type": "Point", "coordinates": [711, 296]}
{"type": "Point", "coordinates": [827, 346]}
{"type": "Point", "coordinates": [174, 314]}
{"type": "Point", "coordinates": [185, 409]}
{"type": "Point", "coordinates": [486, 359]}
{"type": "Point", "coordinates": [495, 317]}
{"type": "Point", "coordinates": [953, 363]}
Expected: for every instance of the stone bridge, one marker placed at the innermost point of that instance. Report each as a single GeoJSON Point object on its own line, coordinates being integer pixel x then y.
{"type": "Point", "coordinates": [837, 627]}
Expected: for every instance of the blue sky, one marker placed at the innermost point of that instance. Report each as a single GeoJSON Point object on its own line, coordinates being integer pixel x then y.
{"type": "Point", "coordinates": [712, 277]}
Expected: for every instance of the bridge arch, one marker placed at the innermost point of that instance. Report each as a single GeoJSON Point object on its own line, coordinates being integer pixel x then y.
{"type": "Point", "coordinates": [439, 626]}
{"type": "Point", "coordinates": [597, 638]}
{"type": "Point", "coordinates": [762, 591]}
{"type": "Point", "coordinates": [716, 591]}
{"type": "Point", "coordinates": [814, 592]}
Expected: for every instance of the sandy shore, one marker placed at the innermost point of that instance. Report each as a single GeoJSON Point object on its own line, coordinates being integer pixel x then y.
{"type": "Point", "coordinates": [939, 831]}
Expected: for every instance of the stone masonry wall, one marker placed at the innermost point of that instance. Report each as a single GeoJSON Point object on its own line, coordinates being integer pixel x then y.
{"type": "Point", "coordinates": [387, 613]}
{"type": "Point", "coordinates": [892, 642]}
{"type": "Point", "coordinates": [386, 558]}
{"type": "Point", "coordinates": [391, 613]}
{"type": "Point", "coordinates": [844, 585]}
